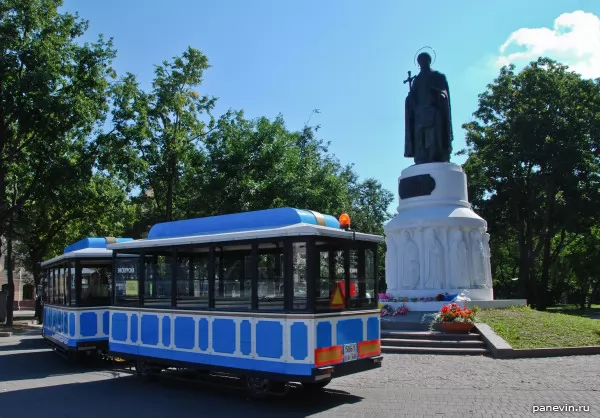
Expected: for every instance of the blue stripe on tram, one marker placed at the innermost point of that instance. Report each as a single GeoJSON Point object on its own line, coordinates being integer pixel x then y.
{"type": "Point", "coordinates": [215, 360]}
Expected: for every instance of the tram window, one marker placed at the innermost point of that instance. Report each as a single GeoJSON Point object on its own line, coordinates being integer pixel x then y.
{"type": "Point", "coordinates": [71, 284]}
{"type": "Point", "coordinates": [233, 283]}
{"type": "Point", "coordinates": [299, 257]}
{"type": "Point", "coordinates": [192, 283]}
{"type": "Point", "coordinates": [356, 278]}
{"type": "Point", "coordinates": [362, 278]}
{"type": "Point", "coordinates": [126, 281]}
{"type": "Point", "coordinates": [61, 286]}
{"type": "Point", "coordinates": [95, 285]}
{"type": "Point", "coordinates": [270, 277]}
{"type": "Point", "coordinates": [55, 286]}
{"type": "Point", "coordinates": [370, 275]}
{"type": "Point", "coordinates": [322, 284]}
{"type": "Point", "coordinates": [157, 286]}
{"type": "Point", "coordinates": [49, 288]}
{"type": "Point", "coordinates": [331, 275]}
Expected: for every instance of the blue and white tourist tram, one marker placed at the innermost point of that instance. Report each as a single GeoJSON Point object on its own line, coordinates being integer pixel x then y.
{"type": "Point", "coordinates": [272, 296]}
{"type": "Point", "coordinates": [77, 296]}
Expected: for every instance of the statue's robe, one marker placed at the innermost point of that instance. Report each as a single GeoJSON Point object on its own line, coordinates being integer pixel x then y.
{"type": "Point", "coordinates": [428, 122]}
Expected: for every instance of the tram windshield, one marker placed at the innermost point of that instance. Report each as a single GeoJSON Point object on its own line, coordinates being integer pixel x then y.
{"type": "Point", "coordinates": [61, 283]}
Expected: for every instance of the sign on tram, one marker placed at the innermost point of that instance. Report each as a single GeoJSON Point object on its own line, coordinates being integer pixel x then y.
{"type": "Point", "coordinates": [337, 299]}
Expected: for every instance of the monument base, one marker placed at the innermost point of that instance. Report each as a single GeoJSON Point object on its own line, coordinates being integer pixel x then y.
{"type": "Point", "coordinates": [435, 306]}
{"type": "Point", "coordinates": [436, 243]}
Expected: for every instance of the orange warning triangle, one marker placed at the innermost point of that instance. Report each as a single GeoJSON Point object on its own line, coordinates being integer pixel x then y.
{"type": "Point", "coordinates": [337, 299]}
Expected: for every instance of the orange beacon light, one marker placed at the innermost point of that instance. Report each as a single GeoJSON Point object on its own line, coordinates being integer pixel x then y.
{"type": "Point", "coordinates": [344, 221]}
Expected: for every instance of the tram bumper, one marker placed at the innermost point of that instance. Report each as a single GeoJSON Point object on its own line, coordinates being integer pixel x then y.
{"type": "Point", "coordinates": [347, 368]}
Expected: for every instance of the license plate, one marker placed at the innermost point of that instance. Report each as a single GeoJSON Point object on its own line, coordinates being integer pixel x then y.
{"type": "Point", "coordinates": [350, 352]}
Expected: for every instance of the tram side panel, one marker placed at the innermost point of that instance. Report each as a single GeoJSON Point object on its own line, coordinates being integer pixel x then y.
{"type": "Point", "coordinates": [274, 344]}
{"type": "Point", "coordinates": [76, 329]}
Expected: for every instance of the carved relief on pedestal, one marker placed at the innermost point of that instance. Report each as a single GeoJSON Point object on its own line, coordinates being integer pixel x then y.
{"type": "Point", "coordinates": [434, 261]}
{"type": "Point", "coordinates": [487, 261]}
{"type": "Point", "coordinates": [477, 259]}
{"type": "Point", "coordinates": [409, 270]}
{"type": "Point", "coordinates": [459, 261]}
{"type": "Point", "coordinates": [391, 263]}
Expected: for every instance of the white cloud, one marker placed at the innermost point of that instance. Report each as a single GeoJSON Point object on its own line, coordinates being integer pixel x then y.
{"type": "Point", "coordinates": [574, 40]}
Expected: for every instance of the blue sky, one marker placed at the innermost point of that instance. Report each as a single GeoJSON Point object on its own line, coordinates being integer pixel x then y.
{"type": "Point", "coordinates": [346, 58]}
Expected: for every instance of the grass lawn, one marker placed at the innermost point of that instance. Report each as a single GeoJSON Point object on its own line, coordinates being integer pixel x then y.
{"type": "Point", "coordinates": [523, 327]}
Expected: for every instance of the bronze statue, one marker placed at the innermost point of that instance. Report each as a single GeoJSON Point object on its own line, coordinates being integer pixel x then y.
{"type": "Point", "coordinates": [428, 122]}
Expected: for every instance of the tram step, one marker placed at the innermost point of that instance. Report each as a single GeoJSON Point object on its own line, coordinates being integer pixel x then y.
{"type": "Point", "coordinates": [456, 343]}
{"type": "Point", "coordinates": [434, 350]}
{"type": "Point", "coordinates": [428, 335]}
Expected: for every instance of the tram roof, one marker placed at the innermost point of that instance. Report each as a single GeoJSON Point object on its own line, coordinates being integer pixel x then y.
{"type": "Point", "coordinates": [93, 242]}
{"type": "Point", "coordinates": [91, 247]}
{"type": "Point", "coordinates": [269, 223]}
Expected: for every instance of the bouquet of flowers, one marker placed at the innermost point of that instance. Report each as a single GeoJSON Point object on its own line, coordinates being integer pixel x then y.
{"type": "Point", "coordinates": [453, 313]}
{"type": "Point", "coordinates": [387, 310]}
{"type": "Point", "coordinates": [445, 297]}
{"type": "Point", "coordinates": [403, 310]}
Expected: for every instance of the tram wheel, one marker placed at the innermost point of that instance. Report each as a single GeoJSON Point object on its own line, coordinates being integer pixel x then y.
{"type": "Point", "coordinates": [260, 387]}
{"type": "Point", "coordinates": [315, 386]}
{"type": "Point", "coordinates": [143, 369]}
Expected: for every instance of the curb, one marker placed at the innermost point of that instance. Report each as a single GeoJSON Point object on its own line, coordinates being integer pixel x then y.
{"type": "Point", "coordinates": [502, 350]}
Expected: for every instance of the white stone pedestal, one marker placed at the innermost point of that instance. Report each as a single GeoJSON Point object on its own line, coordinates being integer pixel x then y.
{"type": "Point", "coordinates": [436, 243]}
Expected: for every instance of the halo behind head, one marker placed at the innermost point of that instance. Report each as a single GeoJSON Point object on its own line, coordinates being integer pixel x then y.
{"type": "Point", "coordinates": [426, 50]}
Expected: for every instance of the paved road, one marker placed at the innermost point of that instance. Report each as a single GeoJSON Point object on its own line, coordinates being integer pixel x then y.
{"type": "Point", "coordinates": [35, 382]}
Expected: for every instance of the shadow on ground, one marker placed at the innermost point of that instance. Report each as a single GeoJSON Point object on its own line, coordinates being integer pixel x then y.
{"type": "Point", "coordinates": [23, 343]}
{"type": "Point", "coordinates": [132, 396]}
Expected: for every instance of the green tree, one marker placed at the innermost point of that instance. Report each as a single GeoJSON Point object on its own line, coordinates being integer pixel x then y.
{"type": "Point", "coordinates": [155, 132]}
{"type": "Point", "coordinates": [252, 165]}
{"type": "Point", "coordinates": [581, 258]}
{"type": "Point", "coordinates": [533, 164]}
{"type": "Point", "coordinates": [52, 93]}
{"type": "Point", "coordinates": [89, 205]}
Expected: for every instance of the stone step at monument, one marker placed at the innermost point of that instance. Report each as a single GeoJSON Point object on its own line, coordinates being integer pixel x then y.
{"type": "Point", "coordinates": [447, 343]}
{"type": "Point", "coordinates": [411, 321]}
{"type": "Point", "coordinates": [428, 335]}
{"type": "Point", "coordinates": [435, 350]}
{"type": "Point", "coordinates": [432, 342]}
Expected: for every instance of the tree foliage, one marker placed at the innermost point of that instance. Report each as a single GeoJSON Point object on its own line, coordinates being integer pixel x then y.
{"type": "Point", "coordinates": [533, 165]}
{"type": "Point", "coordinates": [52, 96]}
{"type": "Point", "coordinates": [156, 133]}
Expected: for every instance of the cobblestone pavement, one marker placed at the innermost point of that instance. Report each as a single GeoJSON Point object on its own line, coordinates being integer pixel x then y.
{"type": "Point", "coordinates": [36, 382]}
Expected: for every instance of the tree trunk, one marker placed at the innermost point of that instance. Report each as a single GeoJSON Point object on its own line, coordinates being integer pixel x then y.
{"type": "Point", "coordinates": [595, 291]}
{"type": "Point", "coordinates": [169, 211]}
{"type": "Point", "coordinates": [543, 288]}
{"type": "Point", "coordinates": [584, 292]}
{"type": "Point", "coordinates": [9, 276]}
{"type": "Point", "coordinates": [547, 236]}
{"type": "Point", "coordinates": [524, 263]}
{"type": "Point", "coordinates": [38, 298]}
